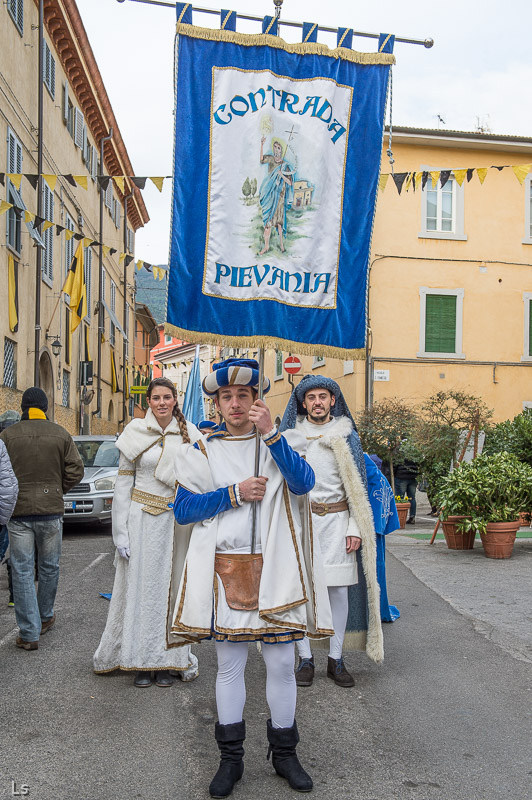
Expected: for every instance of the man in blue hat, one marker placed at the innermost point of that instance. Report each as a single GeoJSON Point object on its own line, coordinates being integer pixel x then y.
{"type": "Point", "coordinates": [275, 593]}
{"type": "Point", "coordinates": [342, 518]}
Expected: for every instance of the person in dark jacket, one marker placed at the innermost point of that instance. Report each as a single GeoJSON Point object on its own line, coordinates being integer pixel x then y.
{"type": "Point", "coordinates": [47, 465]}
{"type": "Point", "coordinates": [405, 476]}
{"type": "Point", "coordinates": [8, 418]}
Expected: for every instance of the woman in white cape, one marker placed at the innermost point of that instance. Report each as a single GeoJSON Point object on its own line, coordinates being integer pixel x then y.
{"type": "Point", "coordinates": [136, 635]}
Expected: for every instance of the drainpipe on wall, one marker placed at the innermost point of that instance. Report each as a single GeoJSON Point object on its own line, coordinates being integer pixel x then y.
{"type": "Point", "coordinates": [38, 268]}
{"type": "Point", "coordinates": [124, 343]}
{"type": "Point", "coordinates": [101, 319]}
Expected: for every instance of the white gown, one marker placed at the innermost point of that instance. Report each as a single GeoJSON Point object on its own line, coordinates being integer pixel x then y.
{"type": "Point", "coordinates": [135, 636]}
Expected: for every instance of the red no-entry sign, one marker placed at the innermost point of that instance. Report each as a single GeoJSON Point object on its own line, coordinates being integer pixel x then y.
{"type": "Point", "coordinates": [292, 365]}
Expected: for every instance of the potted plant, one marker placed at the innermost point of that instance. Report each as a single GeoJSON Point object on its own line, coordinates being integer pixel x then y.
{"type": "Point", "coordinates": [455, 498]}
{"type": "Point", "coordinates": [403, 507]}
{"type": "Point", "coordinates": [493, 490]}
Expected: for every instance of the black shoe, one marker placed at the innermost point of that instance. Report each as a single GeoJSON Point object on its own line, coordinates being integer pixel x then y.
{"type": "Point", "coordinates": [230, 740]}
{"type": "Point", "coordinates": [143, 679]}
{"type": "Point", "coordinates": [163, 678]}
{"type": "Point", "coordinates": [337, 671]}
{"type": "Point", "coordinates": [305, 672]}
{"type": "Point", "coordinates": [411, 521]}
{"type": "Point", "coordinates": [283, 743]}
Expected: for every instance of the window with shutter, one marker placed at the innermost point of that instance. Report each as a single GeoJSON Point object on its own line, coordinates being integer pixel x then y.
{"type": "Point", "coordinates": [65, 102]}
{"type": "Point", "coordinates": [79, 122]}
{"type": "Point", "coordinates": [14, 166]}
{"type": "Point", "coordinates": [530, 328]}
{"type": "Point", "coordinates": [440, 323]}
{"type": "Point", "coordinates": [69, 244]}
{"type": "Point", "coordinates": [440, 331]}
{"type": "Point", "coordinates": [48, 236]}
{"type": "Point", "coordinates": [442, 210]}
{"type": "Point", "coordinates": [94, 163]}
{"type": "Point", "coordinates": [527, 346]}
{"type": "Point", "coordinates": [48, 69]}
{"type": "Point", "coordinates": [112, 335]}
{"type": "Point", "coordinates": [109, 195]}
{"type": "Point", "coordinates": [16, 12]}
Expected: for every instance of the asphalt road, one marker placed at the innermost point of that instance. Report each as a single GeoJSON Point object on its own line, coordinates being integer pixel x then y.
{"type": "Point", "coordinates": [446, 717]}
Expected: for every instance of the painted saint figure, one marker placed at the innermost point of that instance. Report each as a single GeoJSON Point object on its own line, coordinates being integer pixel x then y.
{"type": "Point", "coordinates": [275, 192]}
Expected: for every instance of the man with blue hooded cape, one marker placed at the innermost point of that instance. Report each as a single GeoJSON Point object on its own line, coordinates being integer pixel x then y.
{"type": "Point", "coordinates": [353, 508]}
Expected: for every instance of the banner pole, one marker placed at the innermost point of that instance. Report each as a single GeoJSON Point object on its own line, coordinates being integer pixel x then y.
{"type": "Point", "coordinates": [257, 453]}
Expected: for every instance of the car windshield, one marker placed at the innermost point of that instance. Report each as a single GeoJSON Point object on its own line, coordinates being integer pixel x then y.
{"type": "Point", "coordinates": [98, 453]}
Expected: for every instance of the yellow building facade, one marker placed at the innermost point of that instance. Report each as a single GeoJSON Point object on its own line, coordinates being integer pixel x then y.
{"type": "Point", "coordinates": [450, 286]}
{"type": "Point", "coordinates": [77, 115]}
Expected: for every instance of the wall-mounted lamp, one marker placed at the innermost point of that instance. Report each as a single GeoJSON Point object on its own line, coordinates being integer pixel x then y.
{"type": "Point", "coordinates": [56, 344]}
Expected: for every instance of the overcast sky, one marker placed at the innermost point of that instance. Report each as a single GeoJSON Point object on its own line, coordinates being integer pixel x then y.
{"type": "Point", "coordinates": [479, 71]}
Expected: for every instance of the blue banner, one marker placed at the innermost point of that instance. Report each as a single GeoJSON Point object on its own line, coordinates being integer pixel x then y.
{"type": "Point", "coordinates": [276, 168]}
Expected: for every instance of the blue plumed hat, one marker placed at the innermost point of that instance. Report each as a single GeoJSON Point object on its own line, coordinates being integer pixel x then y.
{"type": "Point", "coordinates": [234, 372]}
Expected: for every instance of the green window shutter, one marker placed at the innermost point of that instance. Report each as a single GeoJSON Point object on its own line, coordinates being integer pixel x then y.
{"type": "Point", "coordinates": [440, 323]}
{"type": "Point", "coordinates": [530, 327]}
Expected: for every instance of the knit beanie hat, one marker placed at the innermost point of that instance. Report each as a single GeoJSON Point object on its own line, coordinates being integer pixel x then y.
{"type": "Point", "coordinates": [34, 398]}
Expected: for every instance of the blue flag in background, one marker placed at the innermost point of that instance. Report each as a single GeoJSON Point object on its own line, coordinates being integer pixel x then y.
{"type": "Point", "coordinates": [277, 160]}
{"type": "Point", "coordinates": [193, 408]}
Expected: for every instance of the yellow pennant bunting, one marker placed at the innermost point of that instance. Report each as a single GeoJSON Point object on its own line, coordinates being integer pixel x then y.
{"type": "Point", "coordinates": [81, 180]}
{"type": "Point", "coordinates": [482, 172]}
{"type": "Point", "coordinates": [161, 274]}
{"type": "Point", "coordinates": [121, 257]}
{"type": "Point", "coordinates": [51, 180]}
{"type": "Point", "coordinates": [435, 178]}
{"type": "Point", "coordinates": [417, 179]}
{"type": "Point", "coordinates": [46, 225]}
{"type": "Point", "coordinates": [460, 174]}
{"type": "Point", "coordinates": [383, 180]}
{"type": "Point", "coordinates": [521, 171]}
{"type": "Point", "coordinates": [12, 293]}
{"type": "Point", "coordinates": [155, 271]}
{"type": "Point", "coordinates": [15, 179]}
{"type": "Point", "coordinates": [106, 249]}
{"type": "Point", "coordinates": [87, 240]}
{"type": "Point", "coordinates": [158, 182]}
{"type": "Point", "coordinates": [408, 182]}
{"type": "Point", "coordinates": [28, 216]}
{"type": "Point", "coordinates": [4, 206]}
{"type": "Point", "coordinates": [119, 180]}
{"type": "Point", "coordinates": [69, 235]}
{"type": "Point", "coordinates": [140, 264]}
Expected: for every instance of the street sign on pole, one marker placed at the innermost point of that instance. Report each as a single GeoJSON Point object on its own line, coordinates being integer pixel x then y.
{"type": "Point", "coordinates": [292, 365]}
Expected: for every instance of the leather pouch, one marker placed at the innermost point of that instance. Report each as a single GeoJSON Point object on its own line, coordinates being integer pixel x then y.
{"type": "Point", "coordinates": [240, 574]}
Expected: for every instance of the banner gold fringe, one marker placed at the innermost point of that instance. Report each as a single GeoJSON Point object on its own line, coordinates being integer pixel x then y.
{"type": "Point", "coordinates": [268, 342]}
{"type": "Point", "coordinates": [303, 48]}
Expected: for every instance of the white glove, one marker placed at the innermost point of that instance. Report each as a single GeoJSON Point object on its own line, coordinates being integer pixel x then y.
{"type": "Point", "coordinates": [123, 552]}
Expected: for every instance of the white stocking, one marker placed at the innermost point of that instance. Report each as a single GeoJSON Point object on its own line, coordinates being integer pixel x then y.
{"type": "Point", "coordinates": [230, 685]}
{"type": "Point", "coordinates": [281, 690]}
{"type": "Point", "coordinates": [339, 601]}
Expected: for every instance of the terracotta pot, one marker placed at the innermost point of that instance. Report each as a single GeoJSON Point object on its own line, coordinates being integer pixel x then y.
{"type": "Point", "coordinates": [402, 513]}
{"type": "Point", "coordinates": [524, 519]}
{"type": "Point", "coordinates": [499, 539]}
{"type": "Point", "coordinates": [454, 538]}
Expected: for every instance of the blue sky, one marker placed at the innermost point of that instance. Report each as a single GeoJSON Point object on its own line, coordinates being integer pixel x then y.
{"type": "Point", "coordinates": [478, 71]}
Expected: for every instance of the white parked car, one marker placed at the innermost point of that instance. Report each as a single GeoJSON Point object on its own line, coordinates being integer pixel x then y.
{"type": "Point", "coordinates": [92, 499]}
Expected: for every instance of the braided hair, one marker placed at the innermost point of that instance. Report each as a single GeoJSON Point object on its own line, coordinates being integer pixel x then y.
{"type": "Point", "coordinates": [176, 411]}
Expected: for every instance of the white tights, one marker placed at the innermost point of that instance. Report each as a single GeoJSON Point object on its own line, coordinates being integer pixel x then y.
{"type": "Point", "coordinates": [340, 607]}
{"type": "Point", "coordinates": [280, 682]}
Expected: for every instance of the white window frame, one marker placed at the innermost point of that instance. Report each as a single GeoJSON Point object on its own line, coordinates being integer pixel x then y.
{"type": "Point", "coordinates": [94, 163]}
{"type": "Point", "coordinates": [109, 195]}
{"type": "Point", "coordinates": [527, 239]}
{"type": "Point", "coordinates": [15, 9]}
{"type": "Point", "coordinates": [48, 69]}
{"type": "Point", "coordinates": [278, 361]}
{"type": "Point", "coordinates": [457, 233]}
{"type": "Point", "coordinates": [459, 294]}
{"type": "Point", "coordinates": [527, 299]}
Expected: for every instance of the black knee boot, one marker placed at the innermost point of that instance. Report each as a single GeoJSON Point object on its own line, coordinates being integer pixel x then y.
{"type": "Point", "coordinates": [283, 743]}
{"type": "Point", "coordinates": [229, 739]}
